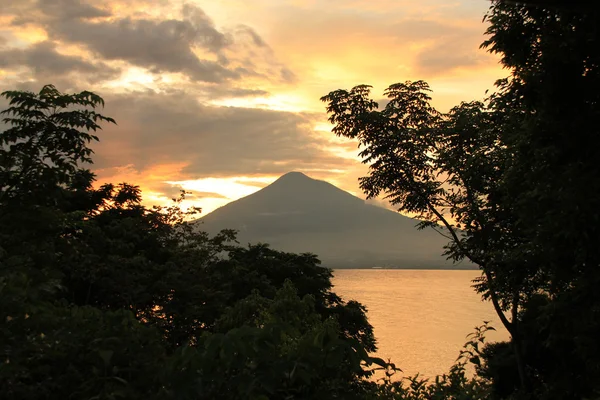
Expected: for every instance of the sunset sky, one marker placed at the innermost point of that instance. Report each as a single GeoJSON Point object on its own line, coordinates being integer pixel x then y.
{"type": "Point", "coordinates": [222, 97]}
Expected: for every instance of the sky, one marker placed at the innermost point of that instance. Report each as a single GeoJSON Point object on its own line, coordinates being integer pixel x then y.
{"type": "Point", "coordinates": [221, 97]}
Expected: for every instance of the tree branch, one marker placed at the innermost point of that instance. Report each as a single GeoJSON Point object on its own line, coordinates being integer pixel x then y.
{"type": "Point", "coordinates": [493, 296]}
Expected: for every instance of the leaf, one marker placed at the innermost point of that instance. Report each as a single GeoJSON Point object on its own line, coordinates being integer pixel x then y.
{"type": "Point", "coordinates": [106, 356]}
{"type": "Point", "coordinates": [378, 361]}
{"type": "Point", "coordinates": [121, 380]}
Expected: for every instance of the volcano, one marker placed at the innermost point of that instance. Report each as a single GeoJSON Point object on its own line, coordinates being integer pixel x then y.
{"type": "Point", "coordinates": [303, 215]}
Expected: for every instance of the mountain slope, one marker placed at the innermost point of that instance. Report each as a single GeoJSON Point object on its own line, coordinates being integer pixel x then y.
{"type": "Point", "coordinates": [300, 214]}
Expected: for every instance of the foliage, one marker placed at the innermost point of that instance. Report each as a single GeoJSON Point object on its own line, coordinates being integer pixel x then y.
{"type": "Point", "coordinates": [103, 298]}
{"type": "Point", "coordinates": [549, 106]}
{"type": "Point", "coordinates": [57, 351]}
{"type": "Point", "coordinates": [512, 183]}
{"type": "Point", "coordinates": [278, 348]}
{"type": "Point", "coordinates": [47, 140]}
{"type": "Point", "coordinates": [457, 384]}
{"type": "Point", "coordinates": [554, 88]}
{"type": "Point", "coordinates": [443, 167]}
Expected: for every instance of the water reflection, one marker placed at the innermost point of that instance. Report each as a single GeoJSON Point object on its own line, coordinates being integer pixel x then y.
{"type": "Point", "coordinates": [420, 317]}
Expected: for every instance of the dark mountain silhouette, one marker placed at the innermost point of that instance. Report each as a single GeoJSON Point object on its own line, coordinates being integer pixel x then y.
{"type": "Point", "coordinates": [300, 214]}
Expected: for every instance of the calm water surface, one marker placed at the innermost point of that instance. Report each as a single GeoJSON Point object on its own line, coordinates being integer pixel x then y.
{"type": "Point", "coordinates": [420, 317]}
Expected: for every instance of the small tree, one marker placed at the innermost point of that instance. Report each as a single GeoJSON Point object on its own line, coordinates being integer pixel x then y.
{"type": "Point", "coordinates": [48, 140]}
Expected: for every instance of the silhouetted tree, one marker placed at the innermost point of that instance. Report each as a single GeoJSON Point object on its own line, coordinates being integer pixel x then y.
{"type": "Point", "coordinates": [549, 107]}
{"type": "Point", "coordinates": [512, 183]}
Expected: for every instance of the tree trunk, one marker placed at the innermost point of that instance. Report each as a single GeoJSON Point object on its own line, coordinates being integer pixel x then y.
{"type": "Point", "coordinates": [517, 343]}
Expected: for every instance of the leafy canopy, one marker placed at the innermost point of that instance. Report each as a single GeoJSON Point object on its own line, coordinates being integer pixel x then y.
{"type": "Point", "coordinates": [105, 298]}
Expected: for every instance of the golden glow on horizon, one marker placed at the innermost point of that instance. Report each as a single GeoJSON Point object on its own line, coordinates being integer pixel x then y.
{"type": "Point", "coordinates": [207, 204]}
{"type": "Point", "coordinates": [229, 189]}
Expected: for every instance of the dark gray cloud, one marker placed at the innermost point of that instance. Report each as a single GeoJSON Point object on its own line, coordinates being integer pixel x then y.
{"type": "Point", "coordinates": [45, 62]}
{"type": "Point", "coordinates": [190, 44]}
{"type": "Point", "coordinates": [160, 46]}
{"type": "Point", "coordinates": [71, 9]}
{"type": "Point", "coordinates": [220, 92]}
{"type": "Point", "coordinates": [41, 11]}
{"type": "Point", "coordinates": [213, 141]}
{"type": "Point", "coordinates": [200, 29]}
{"type": "Point", "coordinates": [256, 39]}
